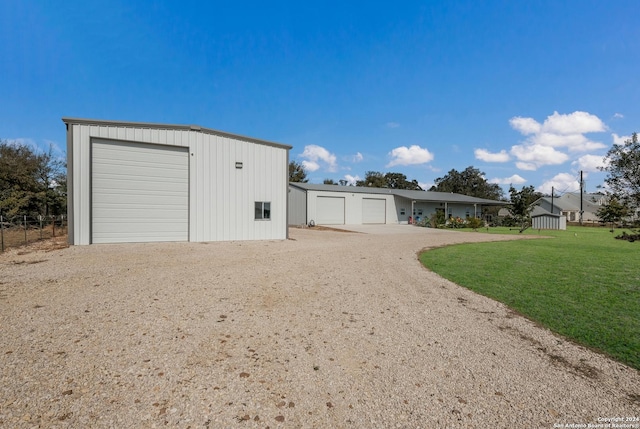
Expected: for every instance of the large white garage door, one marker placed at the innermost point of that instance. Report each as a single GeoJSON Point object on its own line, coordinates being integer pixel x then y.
{"type": "Point", "coordinates": [330, 210]}
{"type": "Point", "coordinates": [140, 192]}
{"type": "Point", "coordinates": [374, 210]}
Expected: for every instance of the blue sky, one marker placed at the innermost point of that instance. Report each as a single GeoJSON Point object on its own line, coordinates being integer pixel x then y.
{"type": "Point", "coordinates": [530, 93]}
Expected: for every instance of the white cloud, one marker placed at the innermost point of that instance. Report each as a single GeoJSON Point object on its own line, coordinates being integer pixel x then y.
{"type": "Point", "coordinates": [425, 186]}
{"type": "Point", "coordinates": [545, 142]}
{"type": "Point", "coordinates": [513, 180]}
{"type": "Point", "coordinates": [48, 146]}
{"type": "Point", "coordinates": [573, 142]}
{"type": "Point", "coordinates": [619, 139]}
{"type": "Point", "coordinates": [573, 123]}
{"type": "Point", "coordinates": [563, 182]}
{"type": "Point", "coordinates": [409, 156]}
{"type": "Point", "coordinates": [485, 155]}
{"type": "Point", "coordinates": [30, 143]}
{"type": "Point", "coordinates": [527, 166]}
{"type": "Point", "coordinates": [533, 156]}
{"type": "Point", "coordinates": [351, 180]}
{"type": "Point", "coordinates": [525, 126]}
{"type": "Point", "coordinates": [310, 166]}
{"type": "Point", "coordinates": [313, 154]}
{"type": "Point", "coordinates": [589, 163]}
{"type": "Point", "coordinates": [618, 115]}
{"type": "Point", "coordinates": [392, 125]}
{"type": "Point", "coordinates": [357, 157]}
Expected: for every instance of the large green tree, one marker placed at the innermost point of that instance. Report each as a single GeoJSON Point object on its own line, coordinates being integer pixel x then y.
{"type": "Point", "coordinates": [470, 182]}
{"type": "Point", "coordinates": [297, 172]}
{"type": "Point", "coordinates": [522, 204]}
{"type": "Point", "coordinates": [376, 179]}
{"type": "Point", "coordinates": [31, 183]}
{"type": "Point", "coordinates": [613, 211]}
{"type": "Point", "coordinates": [623, 168]}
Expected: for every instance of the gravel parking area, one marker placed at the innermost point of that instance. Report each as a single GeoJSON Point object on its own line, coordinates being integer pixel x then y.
{"type": "Point", "coordinates": [327, 329]}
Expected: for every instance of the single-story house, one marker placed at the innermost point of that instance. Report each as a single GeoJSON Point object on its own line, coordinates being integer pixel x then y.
{"type": "Point", "coordinates": [568, 205]}
{"type": "Point", "coordinates": [353, 205]}
{"type": "Point", "coordinates": [143, 182]}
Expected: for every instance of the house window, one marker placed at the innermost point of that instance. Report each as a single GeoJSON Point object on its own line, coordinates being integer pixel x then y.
{"type": "Point", "coordinates": [419, 212]}
{"type": "Point", "coordinates": [403, 211]}
{"type": "Point", "coordinates": [263, 210]}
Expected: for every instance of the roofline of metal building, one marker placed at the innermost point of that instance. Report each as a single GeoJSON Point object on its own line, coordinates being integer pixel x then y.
{"type": "Point", "coordinates": [151, 125]}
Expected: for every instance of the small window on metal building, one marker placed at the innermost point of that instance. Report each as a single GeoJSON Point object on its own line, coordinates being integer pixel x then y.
{"type": "Point", "coordinates": [419, 212]}
{"type": "Point", "coordinates": [263, 210]}
{"type": "Point", "coordinates": [403, 211]}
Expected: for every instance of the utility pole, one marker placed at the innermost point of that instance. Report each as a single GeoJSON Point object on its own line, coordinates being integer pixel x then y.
{"type": "Point", "coordinates": [552, 200]}
{"type": "Point", "coordinates": [581, 190]}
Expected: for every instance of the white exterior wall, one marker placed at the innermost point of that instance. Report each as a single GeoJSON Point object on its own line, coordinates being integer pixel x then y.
{"type": "Point", "coordinates": [353, 205]}
{"type": "Point", "coordinates": [221, 197]}
{"type": "Point", "coordinates": [549, 222]}
{"type": "Point", "coordinates": [297, 206]}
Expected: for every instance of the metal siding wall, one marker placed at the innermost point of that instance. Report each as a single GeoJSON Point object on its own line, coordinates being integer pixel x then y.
{"type": "Point", "coordinates": [297, 206]}
{"type": "Point", "coordinates": [70, 187]}
{"type": "Point", "coordinates": [221, 197]}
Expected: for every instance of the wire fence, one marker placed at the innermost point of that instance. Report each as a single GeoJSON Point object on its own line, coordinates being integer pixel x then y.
{"type": "Point", "coordinates": [20, 230]}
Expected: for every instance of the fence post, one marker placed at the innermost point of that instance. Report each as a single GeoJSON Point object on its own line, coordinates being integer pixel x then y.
{"type": "Point", "coordinates": [53, 226]}
{"type": "Point", "coordinates": [25, 228]}
{"type": "Point", "coordinates": [40, 219]}
{"type": "Point", "coordinates": [2, 233]}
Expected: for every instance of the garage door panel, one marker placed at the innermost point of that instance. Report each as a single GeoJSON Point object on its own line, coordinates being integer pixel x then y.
{"type": "Point", "coordinates": [142, 170]}
{"type": "Point", "coordinates": [131, 186]}
{"type": "Point", "coordinates": [374, 210]}
{"type": "Point", "coordinates": [330, 210]}
{"type": "Point", "coordinates": [140, 192]}
{"type": "Point", "coordinates": [141, 228]}
{"type": "Point", "coordinates": [133, 199]}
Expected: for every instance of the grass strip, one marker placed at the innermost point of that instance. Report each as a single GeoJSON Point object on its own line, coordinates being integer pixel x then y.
{"type": "Point", "coordinates": [581, 283]}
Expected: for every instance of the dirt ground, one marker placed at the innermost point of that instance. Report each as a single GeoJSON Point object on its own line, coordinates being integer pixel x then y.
{"type": "Point", "coordinates": [326, 329]}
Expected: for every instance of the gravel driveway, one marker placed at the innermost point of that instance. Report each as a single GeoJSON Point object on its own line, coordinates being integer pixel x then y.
{"type": "Point", "coordinates": [327, 329]}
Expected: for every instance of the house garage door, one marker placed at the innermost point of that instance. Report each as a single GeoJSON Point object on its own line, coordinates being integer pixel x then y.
{"type": "Point", "coordinates": [139, 192]}
{"type": "Point", "coordinates": [374, 210]}
{"type": "Point", "coordinates": [330, 210]}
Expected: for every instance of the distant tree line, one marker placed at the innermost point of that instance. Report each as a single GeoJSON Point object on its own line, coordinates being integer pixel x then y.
{"type": "Point", "coordinates": [31, 183]}
{"type": "Point", "coordinates": [470, 182]}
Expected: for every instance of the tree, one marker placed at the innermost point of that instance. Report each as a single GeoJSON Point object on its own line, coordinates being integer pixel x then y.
{"type": "Point", "coordinates": [329, 182]}
{"type": "Point", "coordinates": [521, 204]}
{"type": "Point", "coordinates": [375, 179]}
{"type": "Point", "coordinates": [399, 181]}
{"type": "Point", "coordinates": [470, 182]}
{"type": "Point", "coordinates": [297, 173]}
{"type": "Point", "coordinates": [372, 179]}
{"type": "Point", "coordinates": [623, 168]}
{"type": "Point", "coordinates": [30, 183]}
{"type": "Point", "coordinates": [612, 212]}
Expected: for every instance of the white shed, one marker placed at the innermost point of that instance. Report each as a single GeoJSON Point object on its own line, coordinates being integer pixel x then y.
{"type": "Point", "coordinates": [142, 182]}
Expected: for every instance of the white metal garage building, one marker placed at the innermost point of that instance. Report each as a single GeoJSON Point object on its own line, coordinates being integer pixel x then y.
{"type": "Point", "coordinates": [141, 182]}
{"type": "Point", "coordinates": [351, 205]}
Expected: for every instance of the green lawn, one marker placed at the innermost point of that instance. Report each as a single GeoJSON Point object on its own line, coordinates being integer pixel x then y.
{"type": "Point", "coordinates": [581, 283]}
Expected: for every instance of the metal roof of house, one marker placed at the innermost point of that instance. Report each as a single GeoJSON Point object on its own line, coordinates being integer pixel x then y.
{"type": "Point", "coordinates": [539, 211]}
{"type": "Point", "coordinates": [571, 202]}
{"type": "Point", "coordinates": [151, 125]}
{"type": "Point", "coordinates": [426, 196]}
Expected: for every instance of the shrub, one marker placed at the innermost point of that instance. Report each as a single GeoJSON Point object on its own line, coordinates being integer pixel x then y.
{"type": "Point", "coordinates": [475, 223]}
{"type": "Point", "coordinates": [456, 222]}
